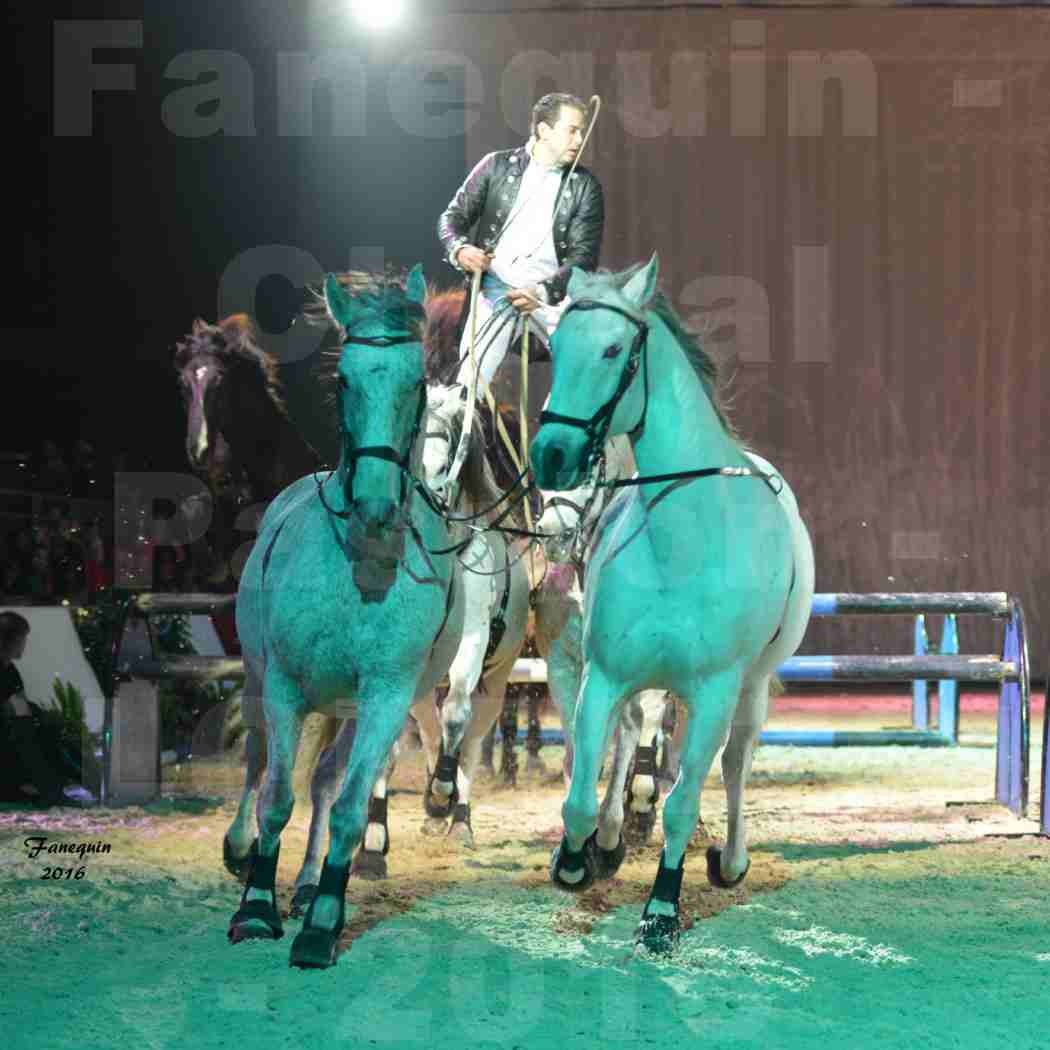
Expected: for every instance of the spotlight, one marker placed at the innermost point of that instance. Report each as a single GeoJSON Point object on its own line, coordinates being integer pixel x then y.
{"type": "Point", "coordinates": [377, 14]}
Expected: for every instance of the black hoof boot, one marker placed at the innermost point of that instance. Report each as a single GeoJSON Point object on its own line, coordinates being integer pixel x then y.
{"type": "Point", "coordinates": [714, 870]}
{"type": "Point", "coordinates": [564, 860]}
{"type": "Point", "coordinates": [301, 901]}
{"type": "Point", "coordinates": [659, 934]}
{"type": "Point", "coordinates": [446, 772]}
{"type": "Point", "coordinates": [237, 866]}
{"type": "Point", "coordinates": [314, 948]}
{"type": "Point", "coordinates": [608, 861]}
{"type": "Point", "coordinates": [371, 863]}
{"type": "Point", "coordinates": [258, 919]}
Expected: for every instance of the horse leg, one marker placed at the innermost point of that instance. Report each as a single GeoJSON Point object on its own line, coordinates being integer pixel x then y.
{"type": "Point", "coordinates": [428, 720]}
{"type": "Point", "coordinates": [643, 787]}
{"type": "Point", "coordinates": [463, 677]}
{"type": "Point", "coordinates": [508, 727]}
{"type": "Point", "coordinates": [240, 836]}
{"type": "Point", "coordinates": [380, 718]}
{"type": "Point", "coordinates": [711, 708]}
{"type": "Point", "coordinates": [370, 861]}
{"type": "Point", "coordinates": [487, 706]}
{"type": "Point", "coordinates": [258, 915]}
{"type": "Point", "coordinates": [573, 863]}
{"type": "Point", "coordinates": [533, 739]}
{"type": "Point", "coordinates": [610, 846]}
{"type": "Point", "coordinates": [331, 762]}
{"type": "Point", "coordinates": [488, 746]}
{"type": "Point", "coordinates": [727, 868]}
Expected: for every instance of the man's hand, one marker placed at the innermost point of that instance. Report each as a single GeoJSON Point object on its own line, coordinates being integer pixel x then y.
{"type": "Point", "coordinates": [473, 259]}
{"type": "Point", "coordinates": [524, 300]}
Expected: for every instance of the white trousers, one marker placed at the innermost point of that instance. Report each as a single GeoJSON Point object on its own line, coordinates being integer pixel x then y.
{"type": "Point", "coordinates": [494, 335]}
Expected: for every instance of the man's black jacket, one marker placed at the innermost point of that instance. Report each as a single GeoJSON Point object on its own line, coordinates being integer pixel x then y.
{"type": "Point", "coordinates": [486, 198]}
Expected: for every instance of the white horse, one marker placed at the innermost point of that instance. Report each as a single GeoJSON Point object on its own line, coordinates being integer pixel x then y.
{"type": "Point", "coordinates": [568, 520]}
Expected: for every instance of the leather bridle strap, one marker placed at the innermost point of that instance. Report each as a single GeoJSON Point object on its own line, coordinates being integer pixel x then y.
{"type": "Point", "coordinates": [597, 427]}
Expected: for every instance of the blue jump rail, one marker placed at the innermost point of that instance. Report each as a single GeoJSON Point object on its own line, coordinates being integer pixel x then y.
{"type": "Point", "coordinates": [1011, 670]}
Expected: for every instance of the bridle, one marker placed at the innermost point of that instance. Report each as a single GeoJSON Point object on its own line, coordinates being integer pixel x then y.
{"type": "Point", "coordinates": [351, 455]}
{"type": "Point", "coordinates": [597, 426]}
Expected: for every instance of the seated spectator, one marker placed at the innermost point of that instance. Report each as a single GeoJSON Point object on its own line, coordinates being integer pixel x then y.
{"type": "Point", "coordinates": [23, 764]}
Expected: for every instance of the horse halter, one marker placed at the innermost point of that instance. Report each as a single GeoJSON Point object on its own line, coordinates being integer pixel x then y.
{"type": "Point", "coordinates": [597, 427]}
{"type": "Point", "coordinates": [385, 452]}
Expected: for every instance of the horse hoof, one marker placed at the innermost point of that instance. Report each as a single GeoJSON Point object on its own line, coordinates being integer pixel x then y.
{"type": "Point", "coordinates": [434, 826]}
{"type": "Point", "coordinates": [301, 901]}
{"type": "Point", "coordinates": [369, 864]}
{"type": "Point", "coordinates": [237, 866]}
{"type": "Point", "coordinates": [314, 949]}
{"type": "Point", "coordinates": [658, 934]}
{"type": "Point", "coordinates": [566, 863]}
{"type": "Point", "coordinates": [255, 920]}
{"type": "Point", "coordinates": [638, 827]}
{"type": "Point", "coordinates": [714, 870]}
{"type": "Point", "coordinates": [608, 861]}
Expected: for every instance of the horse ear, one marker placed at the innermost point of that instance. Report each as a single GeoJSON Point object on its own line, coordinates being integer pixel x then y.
{"type": "Point", "coordinates": [640, 288]}
{"type": "Point", "coordinates": [237, 328]}
{"type": "Point", "coordinates": [416, 285]}
{"type": "Point", "coordinates": [576, 279]}
{"type": "Point", "coordinates": [337, 301]}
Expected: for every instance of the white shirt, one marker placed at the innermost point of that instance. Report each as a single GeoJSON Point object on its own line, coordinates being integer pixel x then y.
{"type": "Point", "coordinates": [525, 251]}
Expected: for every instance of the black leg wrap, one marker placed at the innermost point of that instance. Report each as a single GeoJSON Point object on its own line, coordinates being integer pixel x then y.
{"type": "Point", "coordinates": [645, 761]}
{"type": "Point", "coordinates": [314, 947]}
{"type": "Point", "coordinates": [563, 858]}
{"type": "Point", "coordinates": [446, 772]}
{"type": "Point", "coordinates": [377, 812]}
{"type": "Point", "coordinates": [258, 918]}
{"type": "Point", "coordinates": [461, 814]}
{"type": "Point", "coordinates": [660, 933]}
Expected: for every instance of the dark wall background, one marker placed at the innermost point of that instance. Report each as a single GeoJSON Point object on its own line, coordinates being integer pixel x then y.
{"type": "Point", "coordinates": [902, 394]}
{"type": "Point", "coordinates": [128, 231]}
{"type": "Point", "coordinates": [878, 297]}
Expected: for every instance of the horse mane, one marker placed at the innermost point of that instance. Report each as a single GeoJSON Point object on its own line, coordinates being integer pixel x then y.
{"type": "Point", "coordinates": [704, 365]}
{"type": "Point", "coordinates": [232, 341]}
{"type": "Point", "coordinates": [440, 331]}
{"type": "Point", "coordinates": [378, 293]}
{"type": "Point", "coordinates": [477, 480]}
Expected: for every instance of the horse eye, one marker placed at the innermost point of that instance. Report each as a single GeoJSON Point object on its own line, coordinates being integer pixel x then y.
{"type": "Point", "coordinates": [612, 352]}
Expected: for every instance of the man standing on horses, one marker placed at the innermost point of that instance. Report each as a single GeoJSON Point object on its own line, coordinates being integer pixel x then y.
{"type": "Point", "coordinates": [524, 221]}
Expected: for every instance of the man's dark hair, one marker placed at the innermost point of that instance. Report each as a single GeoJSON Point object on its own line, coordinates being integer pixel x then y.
{"type": "Point", "coordinates": [548, 108]}
{"type": "Point", "coordinates": [12, 627]}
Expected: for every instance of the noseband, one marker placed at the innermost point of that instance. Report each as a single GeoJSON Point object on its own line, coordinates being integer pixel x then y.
{"type": "Point", "coordinates": [384, 452]}
{"type": "Point", "coordinates": [597, 427]}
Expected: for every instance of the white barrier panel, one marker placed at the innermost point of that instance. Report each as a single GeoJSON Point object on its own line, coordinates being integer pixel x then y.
{"type": "Point", "coordinates": [54, 650]}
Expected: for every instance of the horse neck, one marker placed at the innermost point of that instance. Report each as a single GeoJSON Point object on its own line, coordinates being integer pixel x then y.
{"type": "Point", "coordinates": [682, 429]}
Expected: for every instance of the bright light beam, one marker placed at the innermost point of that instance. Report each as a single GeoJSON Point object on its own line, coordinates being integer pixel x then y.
{"type": "Point", "coordinates": [377, 14]}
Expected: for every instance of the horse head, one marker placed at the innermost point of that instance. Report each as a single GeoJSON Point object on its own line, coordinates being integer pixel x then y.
{"type": "Point", "coordinates": [380, 392]}
{"type": "Point", "coordinates": [598, 352]}
{"type": "Point", "coordinates": [226, 381]}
